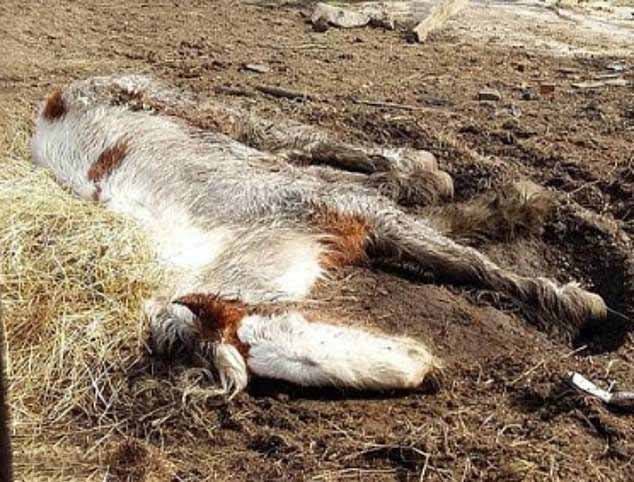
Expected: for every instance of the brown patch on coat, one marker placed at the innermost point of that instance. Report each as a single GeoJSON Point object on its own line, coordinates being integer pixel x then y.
{"type": "Point", "coordinates": [55, 106]}
{"type": "Point", "coordinates": [109, 160]}
{"type": "Point", "coordinates": [346, 240]}
{"type": "Point", "coordinates": [217, 318]}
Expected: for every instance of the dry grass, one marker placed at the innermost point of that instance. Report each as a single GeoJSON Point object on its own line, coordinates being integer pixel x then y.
{"type": "Point", "coordinates": [72, 278]}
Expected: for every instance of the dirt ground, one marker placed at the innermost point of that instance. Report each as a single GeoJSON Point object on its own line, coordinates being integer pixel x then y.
{"type": "Point", "coordinates": [503, 410]}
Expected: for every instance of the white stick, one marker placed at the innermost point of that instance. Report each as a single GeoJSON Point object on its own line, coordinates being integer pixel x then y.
{"type": "Point", "coordinates": [617, 398]}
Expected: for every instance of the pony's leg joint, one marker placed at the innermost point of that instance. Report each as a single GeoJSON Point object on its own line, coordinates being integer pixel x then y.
{"type": "Point", "coordinates": [172, 327]}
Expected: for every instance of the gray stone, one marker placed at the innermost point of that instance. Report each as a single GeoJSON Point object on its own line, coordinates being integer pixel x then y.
{"type": "Point", "coordinates": [258, 68]}
{"type": "Point", "coordinates": [489, 94]}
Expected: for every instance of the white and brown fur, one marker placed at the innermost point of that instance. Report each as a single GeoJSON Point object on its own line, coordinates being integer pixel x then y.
{"type": "Point", "coordinates": [245, 225]}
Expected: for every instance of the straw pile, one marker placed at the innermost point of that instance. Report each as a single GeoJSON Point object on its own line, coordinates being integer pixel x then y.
{"type": "Point", "coordinates": [72, 280]}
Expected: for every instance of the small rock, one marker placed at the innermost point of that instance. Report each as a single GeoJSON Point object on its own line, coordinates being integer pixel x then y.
{"type": "Point", "coordinates": [489, 94]}
{"type": "Point", "coordinates": [382, 291]}
{"type": "Point", "coordinates": [547, 89]}
{"type": "Point", "coordinates": [258, 68]}
{"type": "Point", "coordinates": [515, 111]}
{"type": "Point", "coordinates": [338, 17]}
{"type": "Point", "coordinates": [616, 67]}
{"type": "Point", "coordinates": [510, 124]}
{"type": "Point", "coordinates": [383, 21]}
{"type": "Point", "coordinates": [321, 25]}
{"type": "Point", "coordinates": [528, 94]}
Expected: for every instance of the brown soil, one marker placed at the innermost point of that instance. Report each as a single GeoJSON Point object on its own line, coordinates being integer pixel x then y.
{"type": "Point", "coordinates": [503, 410]}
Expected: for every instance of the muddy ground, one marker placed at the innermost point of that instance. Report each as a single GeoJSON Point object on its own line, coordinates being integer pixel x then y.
{"type": "Point", "coordinates": [503, 410]}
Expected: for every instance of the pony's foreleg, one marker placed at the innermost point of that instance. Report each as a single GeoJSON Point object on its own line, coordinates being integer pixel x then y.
{"type": "Point", "coordinates": [289, 347]}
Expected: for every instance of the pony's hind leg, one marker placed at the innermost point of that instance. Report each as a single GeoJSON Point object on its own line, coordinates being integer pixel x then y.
{"type": "Point", "coordinates": [406, 175]}
{"type": "Point", "coordinates": [410, 240]}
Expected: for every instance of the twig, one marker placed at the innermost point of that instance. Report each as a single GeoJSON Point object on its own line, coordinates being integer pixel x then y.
{"type": "Point", "coordinates": [528, 372]}
{"type": "Point", "coordinates": [284, 93]}
{"type": "Point", "coordinates": [299, 47]}
{"type": "Point", "coordinates": [389, 105]}
{"type": "Point", "coordinates": [237, 91]}
{"type": "Point", "coordinates": [547, 360]}
{"type": "Point", "coordinates": [424, 471]}
{"type": "Point", "coordinates": [618, 314]}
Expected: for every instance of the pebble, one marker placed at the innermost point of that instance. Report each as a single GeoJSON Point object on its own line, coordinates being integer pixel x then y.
{"type": "Point", "coordinates": [258, 68]}
{"type": "Point", "coordinates": [489, 94]}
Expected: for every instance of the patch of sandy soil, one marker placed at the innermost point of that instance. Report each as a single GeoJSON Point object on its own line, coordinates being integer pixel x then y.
{"type": "Point", "coordinates": [503, 410]}
{"type": "Point", "coordinates": [563, 28]}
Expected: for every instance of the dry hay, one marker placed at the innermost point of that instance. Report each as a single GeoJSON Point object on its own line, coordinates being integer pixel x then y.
{"type": "Point", "coordinates": [72, 279]}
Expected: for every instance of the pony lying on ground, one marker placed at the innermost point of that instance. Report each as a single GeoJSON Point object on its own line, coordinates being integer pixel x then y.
{"type": "Point", "coordinates": [252, 214]}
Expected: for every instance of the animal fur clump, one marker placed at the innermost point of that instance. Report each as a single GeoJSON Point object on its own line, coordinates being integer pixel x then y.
{"type": "Point", "coordinates": [516, 210]}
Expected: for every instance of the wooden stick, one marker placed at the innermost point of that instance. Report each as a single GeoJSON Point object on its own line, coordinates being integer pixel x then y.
{"type": "Point", "coordinates": [236, 91]}
{"type": "Point", "coordinates": [284, 93]}
{"type": "Point", "coordinates": [389, 105]}
{"type": "Point", "coordinates": [441, 12]}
